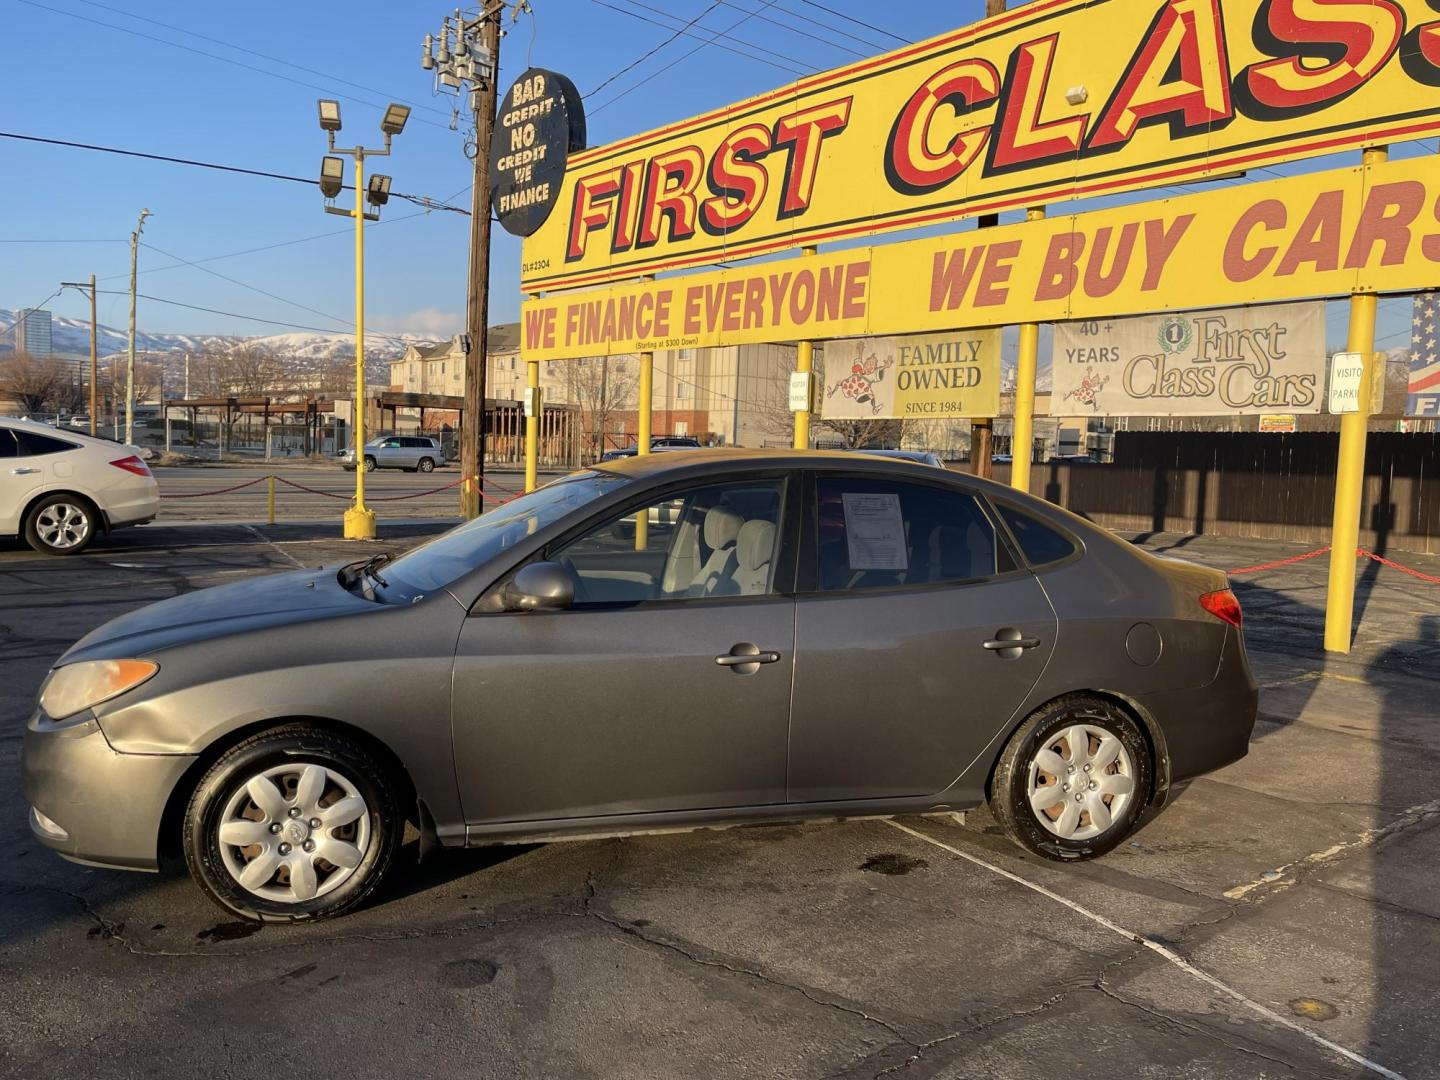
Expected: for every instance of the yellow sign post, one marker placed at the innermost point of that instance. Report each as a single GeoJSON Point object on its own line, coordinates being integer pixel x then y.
{"type": "Point", "coordinates": [1022, 428]}
{"type": "Point", "coordinates": [1350, 467]}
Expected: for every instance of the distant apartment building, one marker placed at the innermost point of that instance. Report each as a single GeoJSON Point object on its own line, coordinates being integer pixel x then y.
{"type": "Point", "coordinates": [32, 332]}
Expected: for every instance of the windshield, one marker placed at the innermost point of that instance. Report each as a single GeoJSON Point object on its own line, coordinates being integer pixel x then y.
{"type": "Point", "coordinates": [451, 555]}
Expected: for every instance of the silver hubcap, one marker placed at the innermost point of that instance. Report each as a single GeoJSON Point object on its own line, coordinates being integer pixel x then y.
{"type": "Point", "coordinates": [294, 832]}
{"type": "Point", "coordinates": [1080, 782]}
{"type": "Point", "coordinates": [62, 525]}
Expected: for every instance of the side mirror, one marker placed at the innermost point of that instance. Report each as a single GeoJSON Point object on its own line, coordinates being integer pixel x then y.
{"type": "Point", "coordinates": [541, 586]}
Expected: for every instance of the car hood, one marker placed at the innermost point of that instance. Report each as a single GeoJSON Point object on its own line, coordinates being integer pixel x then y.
{"type": "Point", "coordinates": [239, 607]}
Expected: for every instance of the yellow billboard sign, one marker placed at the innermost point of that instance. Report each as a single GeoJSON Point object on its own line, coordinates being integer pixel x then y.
{"type": "Point", "coordinates": [915, 377]}
{"type": "Point", "coordinates": [1374, 228]}
{"type": "Point", "coordinates": [1053, 100]}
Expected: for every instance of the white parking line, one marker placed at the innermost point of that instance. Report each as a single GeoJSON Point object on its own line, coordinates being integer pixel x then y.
{"type": "Point", "coordinates": [1403, 821]}
{"type": "Point", "coordinates": [1160, 950]}
{"type": "Point", "coordinates": [265, 539]}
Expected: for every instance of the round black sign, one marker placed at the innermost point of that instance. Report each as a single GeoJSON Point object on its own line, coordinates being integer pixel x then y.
{"type": "Point", "coordinates": [539, 121]}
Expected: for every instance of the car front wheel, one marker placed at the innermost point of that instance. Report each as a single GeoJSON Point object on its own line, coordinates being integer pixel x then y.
{"type": "Point", "coordinates": [60, 525]}
{"type": "Point", "coordinates": [1073, 780]}
{"type": "Point", "coordinates": [369, 463]}
{"type": "Point", "coordinates": [294, 823]}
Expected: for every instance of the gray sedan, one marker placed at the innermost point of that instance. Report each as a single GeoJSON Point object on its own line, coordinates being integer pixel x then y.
{"type": "Point", "coordinates": [797, 636]}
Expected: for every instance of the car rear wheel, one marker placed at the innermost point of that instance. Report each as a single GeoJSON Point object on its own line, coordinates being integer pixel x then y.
{"type": "Point", "coordinates": [61, 524]}
{"type": "Point", "coordinates": [369, 463]}
{"type": "Point", "coordinates": [295, 823]}
{"type": "Point", "coordinates": [427, 465]}
{"type": "Point", "coordinates": [1073, 780]}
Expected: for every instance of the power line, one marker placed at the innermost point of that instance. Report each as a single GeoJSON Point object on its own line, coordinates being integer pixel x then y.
{"type": "Point", "coordinates": [106, 240]}
{"type": "Point", "coordinates": [646, 56]}
{"type": "Point", "coordinates": [419, 200]}
{"type": "Point", "coordinates": [262, 56]}
{"type": "Point", "coordinates": [247, 318]}
{"type": "Point", "coordinates": [823, 25]}
{"type": "Point", "coordinates": [221, 59]}
{"type": "Point", "coordinates": [711, 41]}
{"type": "Point", "coordinates": [797, 30]}
{"type": "Point", "coordinates": [252, 288]}
{"type": "Point", "coordinates": [679, 59]}
{"type": "Point", "coordinates": [858, 22]}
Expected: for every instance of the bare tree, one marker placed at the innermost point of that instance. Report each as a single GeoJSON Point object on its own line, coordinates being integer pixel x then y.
{"type": "Point", "coordinates": [601, 386]}
{"type": "Point", "coordinates": [32, 381]}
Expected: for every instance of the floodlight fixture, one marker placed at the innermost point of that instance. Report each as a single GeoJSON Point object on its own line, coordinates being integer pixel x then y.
{"type": "Point", "coordinates": [329, 115]}
{"type": "Point", "coordinates": [377, 189]}
{"type": "Point", "coordinates": [393, 122]}
{"type": "Point", "coordinates": [1077, 95]}
{"type": "Point", "coordinates": [332, 176]}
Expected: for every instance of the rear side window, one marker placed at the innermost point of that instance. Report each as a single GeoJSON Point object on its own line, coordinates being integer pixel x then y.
{"type": "Point", "coordinates": [877, 534]}
{"type": "Point", "coordinates": [8, 446]}
{"type": "Point", "coordinates": [1040, 543]}
{"type": "Point", "coordinates": [33, 445]}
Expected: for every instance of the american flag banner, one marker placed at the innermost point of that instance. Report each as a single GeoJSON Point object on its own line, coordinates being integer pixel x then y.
{"type": "Point", "coordinates": [1424, 393]}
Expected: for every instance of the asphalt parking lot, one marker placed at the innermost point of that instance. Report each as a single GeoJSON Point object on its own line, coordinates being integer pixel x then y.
{"type": "Point", "coordinates": [1276, 917]}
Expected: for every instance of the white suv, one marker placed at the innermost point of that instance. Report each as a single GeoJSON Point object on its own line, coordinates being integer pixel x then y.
{"type": "Point", "coordinates": [59, 488]}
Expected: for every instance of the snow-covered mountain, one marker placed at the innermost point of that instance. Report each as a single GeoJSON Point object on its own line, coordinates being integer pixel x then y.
{"type": "Point", "coordinates": [73, 336]}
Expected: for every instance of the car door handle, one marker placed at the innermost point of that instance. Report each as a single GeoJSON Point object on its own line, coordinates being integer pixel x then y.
{"type": "Point", "coordinates": [1011, 643]}
{"type": "Point", "coordinates": [23, 471]}
{"type": "Point", "coordinates": [740, 659]}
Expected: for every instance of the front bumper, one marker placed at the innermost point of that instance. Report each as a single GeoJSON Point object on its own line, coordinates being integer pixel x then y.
{"type": "Point", "coordinates": [97, 806]}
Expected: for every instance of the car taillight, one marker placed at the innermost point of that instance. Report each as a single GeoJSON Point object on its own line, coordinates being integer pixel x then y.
{"type": "Point", "coordinates": [1223, 605]}
{"type": "Point", "coordinates": [132, 464]}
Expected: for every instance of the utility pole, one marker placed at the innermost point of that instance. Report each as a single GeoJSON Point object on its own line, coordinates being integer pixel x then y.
{"type": "Point", "coordinates": [130, 362]}
{"type": "Point", "coordinates": [465, 52]}
{"type": "Point", "coordinates": [94, 342]}
{"type": "Point", "coordinates": [187, 376]}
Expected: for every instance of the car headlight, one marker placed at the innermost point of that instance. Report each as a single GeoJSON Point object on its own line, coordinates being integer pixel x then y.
{"type": "Point", "coordinates": [75, 687]}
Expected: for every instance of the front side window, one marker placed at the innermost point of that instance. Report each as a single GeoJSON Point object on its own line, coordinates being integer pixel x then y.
{"type": "Point", "coordinates": [876, 534]}
{"type": "Point", "coordinates": [713, 541]}
{"type": "Point", "coordinates": [8, 446]}
{"type": "Point", "coordinates": [451, 555]}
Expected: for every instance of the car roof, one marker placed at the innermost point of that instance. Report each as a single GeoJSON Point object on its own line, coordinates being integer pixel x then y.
{"type": "Point", "coordinates": [680, 464]}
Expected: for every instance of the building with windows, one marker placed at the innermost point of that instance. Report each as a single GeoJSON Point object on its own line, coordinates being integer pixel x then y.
{"type": "Point", "coordinates": [732, 396]}
{"type": "Point", "coordinates": [32, 332]}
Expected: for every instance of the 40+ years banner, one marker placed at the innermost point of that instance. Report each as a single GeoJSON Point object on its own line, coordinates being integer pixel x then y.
{"type": "Point", "coordinates": [1198, 363]}
{"type": "Point", "coordinates": [1052, 100]}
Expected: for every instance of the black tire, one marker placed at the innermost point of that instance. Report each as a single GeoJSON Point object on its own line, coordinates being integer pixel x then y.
{"type": "Point", "coordinates": [1009, 786]}
{"type": "Point", "coordinates": [293, 745]}
{"type": "Point", "coordinates": [61, 524]}
{"type": "Point", "coordinates": [370, 465]}
{"type": "Point", "coordinates": [427, 464]}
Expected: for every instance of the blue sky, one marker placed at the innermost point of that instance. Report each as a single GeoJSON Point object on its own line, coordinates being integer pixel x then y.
{"type": "Point", "coordinates": [68, 75]}
{"type": "Point", "coordinates": [72, 71]}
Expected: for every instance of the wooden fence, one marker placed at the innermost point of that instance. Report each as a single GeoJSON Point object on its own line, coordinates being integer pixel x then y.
{"type": "Point", "coordinates": [1248, 484]}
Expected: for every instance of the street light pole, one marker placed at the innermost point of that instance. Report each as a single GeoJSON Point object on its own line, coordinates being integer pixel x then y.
{"type": "Point", "coordinates": [130, 360]}
{"type": "Point", "coordinates": [359, 519]}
